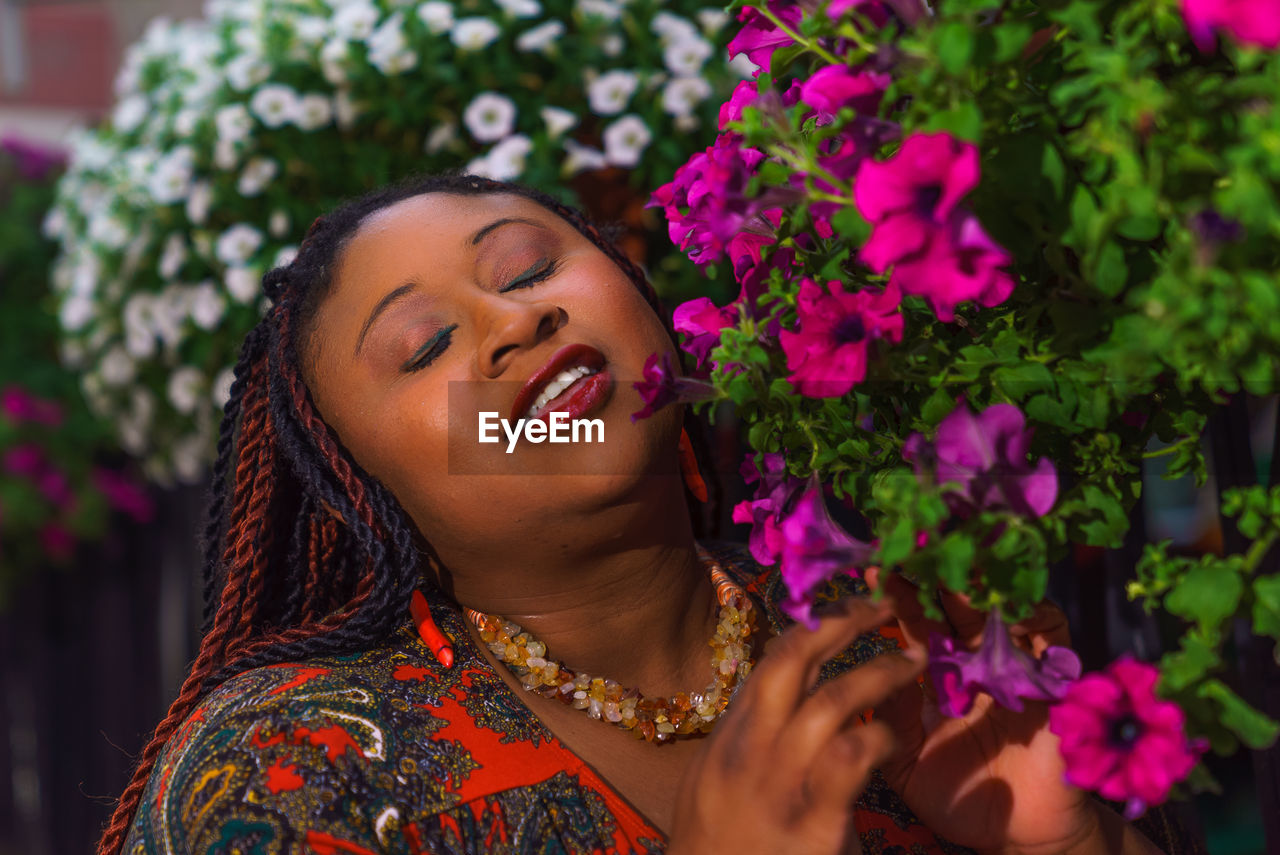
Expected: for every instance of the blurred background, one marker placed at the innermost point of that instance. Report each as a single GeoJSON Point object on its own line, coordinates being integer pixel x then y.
{"type": "Point", "coordinates": [99, 590]}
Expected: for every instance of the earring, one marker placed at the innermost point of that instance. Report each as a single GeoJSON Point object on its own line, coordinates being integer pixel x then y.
{"type": "Point", "coordinates": [689, 468]}
{"type": "Point", "coordinates": [432, 637]}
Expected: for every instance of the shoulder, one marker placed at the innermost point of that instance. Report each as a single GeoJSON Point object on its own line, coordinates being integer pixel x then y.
{"type": "Point", "coordinates": [306, 753]}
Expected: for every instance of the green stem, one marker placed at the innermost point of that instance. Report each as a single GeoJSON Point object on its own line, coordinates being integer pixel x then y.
{"type": "Point", "coordinates": [1257, 550]}
{"type": "Point", "coordinates": [807, 44]}
{"type": "Point", "coordinates": [1172, 449]}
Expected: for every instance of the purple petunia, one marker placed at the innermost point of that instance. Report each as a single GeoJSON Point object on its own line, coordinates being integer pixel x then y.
{"type": "Point", "coordinates": [827, 353]}
{"type": "Point", "coordinates": [700, 321]}
{"type": "Point", "coordinates": [814, 549]}
{"type": "Point", "coordinates": [986, 456]}
{"type": "Point", "coordinates": [1121, 740]}
{"type": "Point", "coordinates": [663, 385]}
{"type": "Point", "coordinates": [998, 668]}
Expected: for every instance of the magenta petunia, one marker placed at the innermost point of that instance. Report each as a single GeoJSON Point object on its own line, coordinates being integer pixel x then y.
{"type": "Point", "coordinates": [986, 455]}
{"type": "Point", "coordinates": [124, 494]}
{"type": "Point", "coordinates": [700, 321]}
{"type": "Point", "coordinates": [21, 406]}
{"type": "Point", "coordinates": [25, 460]}
{"type": "Point", "coordinates": [663, 385]}
{"type": "Point", "coordinates": [758, 37]}
{"type": "Point", "coordinates": [35, 161]}
{"type": "Point", "coordinates": [1120, 739]}
{"type": "Point", "coordinates": [1249, 22]}
{"type": "Point", "coordinates": [827, 353]}
{"type": "Point", "coordinates": [999, 669]}
{"type": "Point", "coordinates": [814, 549]}
{"type": "Point", "coordinates": [774, 492]}
{"type": "Point", "coordinates": [836, 86]}
{"type": "Point", "coordinates": [912, 194]}
{"type": "Point", "coordinates": [958, 263]}
{"type": "Point", "coordinates": [743, 95]}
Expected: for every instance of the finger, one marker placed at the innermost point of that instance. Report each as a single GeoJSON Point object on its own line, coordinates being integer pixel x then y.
{"type": "Point", "coordinates": [783, 677]}
{"type": "Point", "coordinates": [1047, 626]}
{"type": "Point", "coordinates": [850, 755]}
{"type": "Point", "coordinates": [967, 623]}
{"type": "Point", "coordinates": [837, 703]}
{"type": "Point", "coordinates": [904, 600]}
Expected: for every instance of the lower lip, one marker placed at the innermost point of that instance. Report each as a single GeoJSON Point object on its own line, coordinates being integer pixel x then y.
{"type": "Point", "coordinates": [583, 396]}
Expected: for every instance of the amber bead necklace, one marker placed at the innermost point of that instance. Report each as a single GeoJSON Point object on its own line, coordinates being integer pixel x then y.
{"type": "Point", "coordinates": [651, 719]}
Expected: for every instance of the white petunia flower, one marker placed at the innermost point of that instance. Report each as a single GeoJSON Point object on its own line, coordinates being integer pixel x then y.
{"type": "Point", "coordinates": [314, 111]}
{"type": "Point", "coordinates": [682, 95]}
{"type": "Point", "coordinates": [355, 21]}
{"type": "Point", "coordinates": [206, 305]}
{"type": "Point", "coordinates": [243, 284]}
{"type": "Point", "coordinates": [334, 57]}
{"type": "Point", "coordinates": [474, 33]}
{"type": "Point", "coordinates": [198, 202]}
{"type": "Point", "coordinates": [140, 326]}
{"type": "Point", "coordinates": [130, 113]}
{"type": "Point", "coordinates": [171, 180]}
{"type": "Point", "coordinates": [75, 312]}
{"type": "Point", "coordinates": [117, 367]}
{"type": "Point", "coordinates": [257, 174]}
{"type": "Point", "coordinates": [173, 256]}
{"type": "Point", "coordinates": [581, 158]}
{"type": "Point", "coordinates": [521, 8]}
{"type": "Point", "coordinates": [186, 388]}
{"type": "Point", "coordinates": [274, 104]}
{"type": "Point", "coordinates": [190, 456]}
{"type": "Point", "coordinates": [605, 9]}
{"type": "Point", "coordinates": [278, 223]}
{"type": "Point", "coordinates": [540, 37]}
{"type": "Point", "coordinates": [490, 116]}
{"type": "Point", "coordinates": [612, 45]}
{"type": "Point", "coordinates": [609, 93]}
{"type": "Point", "coordinates": [671, 27]}
{"type": "Point", "coordinates": [108, 230]}
{"type": "Point", "coordinates": [686, 57]}
{"type": "Point", "coordinates": [441, 135]}
{"type": "Point", "coordinates": [625, 140]}
{"type": "Point", "coordinates": [225, 155]}
{"type": "Point", "coordinates": [54, 224]}
{"type": "Point", "coordinates": [346, 109]}
{"type": "Point", "coordinates": [233, 123]}
{"type": "Point", "coordinates": [171, 312]}
{"type": "Point", "coordinates": [389, 49]}
{"type": "Point", "coordinates": [285, 256]}
{"type": "Point", "coordinates": [558, 120]}
{"type": "Point", "coordinates": [437, 15]}
{"type": "Point", "coordinates": [221, 389]}
{"type": "Point", "coordinates": [247, 71]}
{"type": "Point", "coordinates": [310, 30]}
{"type": "Point", "coordinates": [712, 21]}
{"type": "Point", "coordinates": [506, 160]}
{"type": "Point", "coordinates": [185, 122]}
{"type": "Point", "coordinates": [238, 244]}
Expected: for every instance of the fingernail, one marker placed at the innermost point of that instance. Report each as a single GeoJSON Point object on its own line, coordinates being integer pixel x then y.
{"type": "Point", "coordinates": [915, 654]}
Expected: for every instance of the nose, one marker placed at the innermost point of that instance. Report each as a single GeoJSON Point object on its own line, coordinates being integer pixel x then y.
{"type": "Point", "coordinates": [516, 324]}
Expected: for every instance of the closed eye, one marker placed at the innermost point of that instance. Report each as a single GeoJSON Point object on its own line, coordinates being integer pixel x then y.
{"type": "Point", "coordinates": [535, 274]}
{"type": "Point", "coordinates": [431, 350]}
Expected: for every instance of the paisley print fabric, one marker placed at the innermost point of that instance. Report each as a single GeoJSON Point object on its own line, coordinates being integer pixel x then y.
{"type": "Point", "coordinates": [386, 753]}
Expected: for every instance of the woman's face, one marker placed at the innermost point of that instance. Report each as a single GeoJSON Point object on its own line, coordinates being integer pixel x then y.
{"type": "Point", "coordinates": [445, 307]}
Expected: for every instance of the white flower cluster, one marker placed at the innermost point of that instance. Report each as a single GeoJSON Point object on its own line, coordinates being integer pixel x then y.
{"type": "Point", "coordinates": [232, 132]}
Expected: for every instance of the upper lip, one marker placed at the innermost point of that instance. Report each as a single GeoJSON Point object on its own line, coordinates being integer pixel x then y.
{"type": "Point", "coordinates": [566, 357]}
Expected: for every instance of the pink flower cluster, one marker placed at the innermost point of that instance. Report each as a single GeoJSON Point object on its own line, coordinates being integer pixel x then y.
{"type": "Point", "coordinates": [827, 352]}
{"type": "Point", "coordinates": [936, 248]}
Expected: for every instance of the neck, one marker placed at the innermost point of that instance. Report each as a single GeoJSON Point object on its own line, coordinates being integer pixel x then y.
{"type": "Point", "coordinates": [638, 609]}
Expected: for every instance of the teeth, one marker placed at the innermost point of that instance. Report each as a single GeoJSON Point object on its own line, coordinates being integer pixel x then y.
{"type": "Point", "coordinates": [558, 384]}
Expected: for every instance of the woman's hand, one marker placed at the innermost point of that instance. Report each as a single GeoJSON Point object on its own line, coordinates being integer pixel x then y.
{"type": "Point", "coordinates": [993, 779]}
{"type": "Point", "coordinates": [783, 768]}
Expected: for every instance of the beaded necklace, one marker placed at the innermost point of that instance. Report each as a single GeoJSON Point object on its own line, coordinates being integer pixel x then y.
{"type": "Point", "coordinates": [651, 719]}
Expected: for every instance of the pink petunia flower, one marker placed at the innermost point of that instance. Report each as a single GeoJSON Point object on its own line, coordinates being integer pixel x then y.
{"type": "Point", "coordinates": [700, 321]}
{"type": "Point", "coordinates": [743, 95]}
{"type": "Point", "coordinates": [827, 353]}
{"type": "Point", "coordinates": [987, 456]}
{"type": "Point", "coordinates": [1249, 22]}
{"type": "Point", "coordinates": [912, 194]}
{"type": "Point", "coordinates": [124, 494]}
{"type": "Point", "coordinates": [663, 385]}
{"type": "Point", "coordinates": [836, 86]}
{"type": "Point", "coordinates": [1121, 740]}
{"type": "Point", "coordinates": [814, 549]}
{"type": "Point", "coordinates": [21, 406]}
{"type": "Point", "coordinates": [758, 37]}
{"type": "Point", "coordinates": [999, 669]}
{"type": "Point", "coordinates": [776, 488]}
{"type": "Point", "coordinates": [958, 263]}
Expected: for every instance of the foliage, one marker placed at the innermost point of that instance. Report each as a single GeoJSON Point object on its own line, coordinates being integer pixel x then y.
{"type": "Point", "coordinates": [991, 256]}
{"type": "Point", "coordinates": [231, 134]}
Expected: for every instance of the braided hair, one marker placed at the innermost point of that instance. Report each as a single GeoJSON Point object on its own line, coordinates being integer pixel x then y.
{"type": "Point", "coordinates": [305, 553]}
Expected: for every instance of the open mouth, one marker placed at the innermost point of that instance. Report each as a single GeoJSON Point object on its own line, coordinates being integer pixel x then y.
{"type": "Point", "coordinates": [574, 380]}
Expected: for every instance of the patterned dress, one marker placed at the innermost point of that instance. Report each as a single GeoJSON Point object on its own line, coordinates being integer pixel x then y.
{"type": "Point", "coordinates": [387, 752]}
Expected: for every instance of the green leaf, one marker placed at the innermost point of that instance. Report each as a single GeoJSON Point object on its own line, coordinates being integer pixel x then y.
{"type": "Point", "coordinates": [1010, 40]}
{"type": "Point", "coordinates": [955, 559]}
{"type": "Point", "coordinates": [1023, 379]}
{"type": "Point", "coordinates": [954, 46]}
{"type": "Point", "coordinates": [851, 225]}
{"type": "Point", "coordinates": [1208, 594]}
{"type": "Point", "coordinates": [938, 406]}
{"type": "Point", "coordinates": [1266, 606]}
{"type": "Point", "coordinates": [1254, 729]}
{"type": "Point", "coordinates": [964, 122]}
{"type": "Point", "coordinates": [1181, 668]}
{"type": "Point", "coordinates": [1111, 272]}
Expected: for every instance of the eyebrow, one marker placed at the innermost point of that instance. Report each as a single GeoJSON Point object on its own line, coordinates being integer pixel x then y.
{"type": "Point", "coordinates": [383, 304]}
{"type": "Point", "coordinates": [497, 224]}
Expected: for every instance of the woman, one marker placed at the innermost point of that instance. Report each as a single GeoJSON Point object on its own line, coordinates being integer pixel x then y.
{"type": "Point", "coordinates": [325, 714]}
